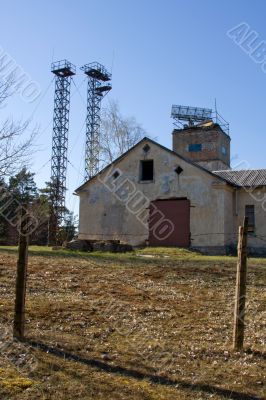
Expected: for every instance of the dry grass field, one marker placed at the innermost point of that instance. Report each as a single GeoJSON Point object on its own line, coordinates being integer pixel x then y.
{"type": "Point", "coordinates": [153, 324]}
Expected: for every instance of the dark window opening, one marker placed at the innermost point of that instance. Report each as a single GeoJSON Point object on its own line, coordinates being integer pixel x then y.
{"type": "Point", "coordinates": [179, 170]}
{"type": "Point", "coordinates": [146, 170]}
{"type": "Point", "coordinates": [116, 174]}
{"type": "Point", "coordinates": [146, 148]}
{"type": "Point", "coordinates": [195, 147]}
{"type": "Point", "coordinates": [250, 214]}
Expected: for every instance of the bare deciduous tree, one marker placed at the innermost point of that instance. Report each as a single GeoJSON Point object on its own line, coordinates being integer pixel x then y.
{"type": "Point", "coordinates": [118, 134]}
{"type": "Point", "coordinates": [16, 137]}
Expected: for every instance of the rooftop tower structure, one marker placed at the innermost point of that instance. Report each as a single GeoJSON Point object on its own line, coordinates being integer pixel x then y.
{"type": "Point", "coordinates": [202, 137]}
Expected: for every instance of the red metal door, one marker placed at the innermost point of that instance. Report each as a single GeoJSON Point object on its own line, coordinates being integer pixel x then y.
{"type": "Point", "coordinates": [169, 223]}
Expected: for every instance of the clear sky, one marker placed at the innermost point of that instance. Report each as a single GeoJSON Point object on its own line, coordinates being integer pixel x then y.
{"type": "Point", "coordinates": [160, 53]}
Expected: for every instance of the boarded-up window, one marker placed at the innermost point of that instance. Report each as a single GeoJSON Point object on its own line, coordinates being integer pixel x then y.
{"type": "Point", "coordinates": [250, 214]}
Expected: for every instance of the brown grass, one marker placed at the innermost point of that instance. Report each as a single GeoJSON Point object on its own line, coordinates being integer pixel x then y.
{"type": "Point", "coordinates": [130, 327]}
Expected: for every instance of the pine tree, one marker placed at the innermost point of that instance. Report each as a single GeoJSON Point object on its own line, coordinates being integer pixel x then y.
{"type": "Point", "coordinates": [23, 187]}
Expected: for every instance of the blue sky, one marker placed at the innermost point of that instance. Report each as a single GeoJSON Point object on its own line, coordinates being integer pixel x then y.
{"type": "Point", "coordinates": [160, 53]}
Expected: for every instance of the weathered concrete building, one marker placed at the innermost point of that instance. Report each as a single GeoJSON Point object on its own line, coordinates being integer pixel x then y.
{"type": "Point", "coordinates": [185, 197]}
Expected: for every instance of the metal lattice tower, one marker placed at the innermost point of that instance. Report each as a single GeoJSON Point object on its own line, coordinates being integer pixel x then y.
{"type": "Point", "coordinates": [98, 87]}
{"type": "Point", "coordinates": [63, 71]}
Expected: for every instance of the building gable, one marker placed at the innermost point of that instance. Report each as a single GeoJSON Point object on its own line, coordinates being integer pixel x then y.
{"type": "Point", "coordinates": [144, 150]}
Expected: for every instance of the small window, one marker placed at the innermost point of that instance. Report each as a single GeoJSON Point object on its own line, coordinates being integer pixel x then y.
{"type": "Point", "coordinates": [194, 147]}
{"type": "Point", "coordinates": [179, 170]}
{"type": "Point", "coordinates": [146, 148]}
{"type": "Point", "coordinates": [250, 214]}
{"type": "Point", "coordinates": [224, 151]}
{"type": "Point", "coordinates": [116, 174]}
{"type": "Point", "coordinates": [146, 170]}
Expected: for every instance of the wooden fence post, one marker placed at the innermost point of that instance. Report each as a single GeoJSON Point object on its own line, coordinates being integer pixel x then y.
{"type": "Point", "coordinates": [240, 295]}
{"type": "Point", "coordinates": [22, 264]}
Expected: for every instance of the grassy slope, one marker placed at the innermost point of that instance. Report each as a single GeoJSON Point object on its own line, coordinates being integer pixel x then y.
{"type": "Point", "coordinates": [132, 319]}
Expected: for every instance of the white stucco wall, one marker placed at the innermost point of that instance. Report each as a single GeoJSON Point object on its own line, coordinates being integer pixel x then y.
{"type": "Point", "coordinates": [105, 212]}
{"type": "Point", "coordinates": [256, 197]}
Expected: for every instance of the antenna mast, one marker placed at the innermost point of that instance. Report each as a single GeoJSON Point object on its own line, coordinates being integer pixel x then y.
{"type": "Point", "coordinates": [191, 115]}
{"type": "Point", "coordinates": [63, 71]}
{"type": "Point", "coordinates": [98, 87]}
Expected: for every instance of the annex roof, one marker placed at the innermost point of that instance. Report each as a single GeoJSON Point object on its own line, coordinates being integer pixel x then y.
{"type": "Point", "coordinates": [244, 178]}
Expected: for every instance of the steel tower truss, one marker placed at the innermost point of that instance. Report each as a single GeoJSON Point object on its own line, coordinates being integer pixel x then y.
{"type": "Point", "coordinates": [63, 71]}
{"type": "Point", "coordinates": [98, 87]}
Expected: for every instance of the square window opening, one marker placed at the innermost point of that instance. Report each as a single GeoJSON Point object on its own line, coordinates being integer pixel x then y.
{"type": "Point", "coordinates": [195, 147]}
{"type": "Point", "coordinates": [146, 170]}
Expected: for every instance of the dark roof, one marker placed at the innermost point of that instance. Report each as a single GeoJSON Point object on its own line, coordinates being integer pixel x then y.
{"type": "Point", "coordinates": [244, 178]}
{"type": "Point", "coordinates": [162, 147]}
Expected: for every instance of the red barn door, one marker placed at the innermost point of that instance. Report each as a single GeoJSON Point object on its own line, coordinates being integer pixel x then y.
{"type": "Point", "coordinates": [169, 223]}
